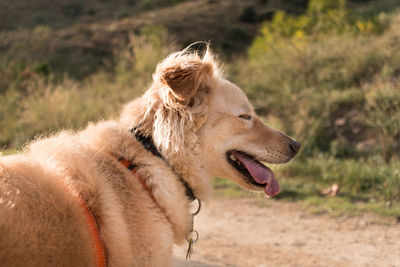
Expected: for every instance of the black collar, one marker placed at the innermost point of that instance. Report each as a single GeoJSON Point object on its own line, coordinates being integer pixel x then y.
{"type": "Point", "coordinates": [147, 142]}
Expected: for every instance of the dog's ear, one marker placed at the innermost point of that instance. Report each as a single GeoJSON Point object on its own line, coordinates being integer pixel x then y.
{"type": "Point", "coordinates": [185, 79]}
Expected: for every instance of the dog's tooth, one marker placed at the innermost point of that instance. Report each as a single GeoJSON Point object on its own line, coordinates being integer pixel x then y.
{"type": "Point", "coordinates": [232, 157]}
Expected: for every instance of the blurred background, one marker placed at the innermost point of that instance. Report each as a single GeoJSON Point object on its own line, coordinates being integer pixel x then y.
{"type": "Point", "coordinates": [324, 71]}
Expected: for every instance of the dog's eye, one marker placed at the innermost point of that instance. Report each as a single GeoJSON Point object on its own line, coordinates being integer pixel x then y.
{"type": "Point", "coordinates": [245, 117]}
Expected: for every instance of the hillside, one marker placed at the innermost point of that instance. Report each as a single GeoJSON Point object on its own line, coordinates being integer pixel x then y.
{"type": "Point", "coordinates": [77, 37]}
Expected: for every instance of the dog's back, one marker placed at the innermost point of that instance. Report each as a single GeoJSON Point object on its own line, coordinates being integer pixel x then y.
{"type": "Point", "coordinates": [43, 224]}
{"type": "Point", "coordinates": [39, 223]}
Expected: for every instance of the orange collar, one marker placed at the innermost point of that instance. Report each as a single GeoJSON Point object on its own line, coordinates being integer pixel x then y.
{"type": "Point", "coordinates": [93, 228]}
{"type": "Point", "coordinates": [132, 167]}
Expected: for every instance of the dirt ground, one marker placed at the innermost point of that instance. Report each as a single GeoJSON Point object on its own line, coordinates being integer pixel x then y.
{"type": "Point", "coordinates": [266, 232]}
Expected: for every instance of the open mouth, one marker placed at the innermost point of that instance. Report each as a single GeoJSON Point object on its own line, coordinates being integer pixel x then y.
{"type": "Point", "coordinates": [254, 171]}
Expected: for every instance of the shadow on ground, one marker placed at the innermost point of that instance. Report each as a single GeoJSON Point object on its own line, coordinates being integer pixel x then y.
{"type": "Point", "coordinates": [191, 263]}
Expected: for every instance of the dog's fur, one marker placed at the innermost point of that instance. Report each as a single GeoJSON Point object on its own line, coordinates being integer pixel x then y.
{"type": "Point", "coordinates": [194, 117]}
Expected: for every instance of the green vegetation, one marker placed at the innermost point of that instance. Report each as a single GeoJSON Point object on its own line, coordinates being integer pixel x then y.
{"type": "Point", "coordinates": [34, 103]}
{"type": "Point", "coordinates": [325, 72]}
{"type": "Point", "coordinates": [307, 191]}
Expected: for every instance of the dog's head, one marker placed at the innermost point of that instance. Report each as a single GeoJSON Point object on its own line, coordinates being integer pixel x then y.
{"type": "Point", "coordinates": [204, 124]}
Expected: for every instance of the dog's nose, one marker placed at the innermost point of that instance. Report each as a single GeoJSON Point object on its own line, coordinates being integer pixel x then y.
{"type": "Point", "coordinates": [294, 147]}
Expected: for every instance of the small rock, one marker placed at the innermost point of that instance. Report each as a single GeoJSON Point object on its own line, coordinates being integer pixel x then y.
{"type": "Point", "coordinates": [331, 191]}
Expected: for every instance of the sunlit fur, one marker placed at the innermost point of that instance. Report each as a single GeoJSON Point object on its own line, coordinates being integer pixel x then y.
{"type": "Point", "coordinates": [192, 114]}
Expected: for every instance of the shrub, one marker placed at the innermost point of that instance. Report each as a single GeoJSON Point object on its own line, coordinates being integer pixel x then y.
{"type": "Point", "coordinates": [322, 18]}
{"type": "Point", "coordinates": [318, 86]}
{"type": "Point", "coordinates": [42, 68]}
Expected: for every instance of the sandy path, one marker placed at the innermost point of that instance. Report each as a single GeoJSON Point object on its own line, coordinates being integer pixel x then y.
{"type": "Point", "coordinates": [261, 232]}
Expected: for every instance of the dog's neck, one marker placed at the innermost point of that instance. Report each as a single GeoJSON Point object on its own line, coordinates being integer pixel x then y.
{"type": "Point", "coordinates": [148, 144]}
{"type": "Point", "coordinates": [113, 140]}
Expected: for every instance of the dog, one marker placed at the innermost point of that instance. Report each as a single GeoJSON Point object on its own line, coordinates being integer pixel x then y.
{"type": "Point", "coordinates": [119, 193]}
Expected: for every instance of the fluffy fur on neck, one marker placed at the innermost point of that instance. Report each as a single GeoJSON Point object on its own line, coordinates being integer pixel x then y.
{"type": "Point", "coordinates": [173, 110]}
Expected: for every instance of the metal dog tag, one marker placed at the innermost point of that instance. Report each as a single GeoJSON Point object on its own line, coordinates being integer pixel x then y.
{"type": "Point", "coordinates": [191, 241]}
{"type": "Point", "coordinates": [190, 248]}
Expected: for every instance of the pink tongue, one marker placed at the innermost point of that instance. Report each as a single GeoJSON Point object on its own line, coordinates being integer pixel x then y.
{"type": "Point", "coordinates": [261, 174]}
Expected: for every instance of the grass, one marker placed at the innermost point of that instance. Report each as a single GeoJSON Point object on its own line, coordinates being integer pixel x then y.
{"type": "Point", "coordinates": [8, 152]}
{"type": "Point", "coordinates": [338, 206]}
{"type": "Point", "coordinates": [226, 188]}
{"type": "Point", "coordinates": [307, 192]}
{"type": "Point", "coordinates": [35, 104]}
{"type": "Point", "coordinates": [371, 180]}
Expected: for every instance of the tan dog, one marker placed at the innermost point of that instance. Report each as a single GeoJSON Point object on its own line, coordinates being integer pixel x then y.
{"type": "Point", "coordinates": [55, 194]}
